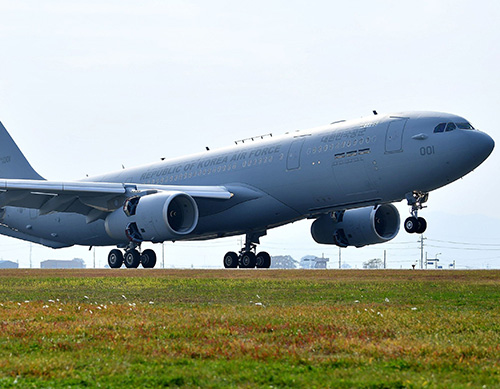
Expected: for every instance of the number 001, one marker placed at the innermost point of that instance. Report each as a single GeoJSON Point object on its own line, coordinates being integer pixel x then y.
{"type": "Point", "coordinates": [429, 150]}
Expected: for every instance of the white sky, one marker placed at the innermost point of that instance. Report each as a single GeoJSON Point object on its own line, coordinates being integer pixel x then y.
{"type": "Point", "coordinates": [88, 86]}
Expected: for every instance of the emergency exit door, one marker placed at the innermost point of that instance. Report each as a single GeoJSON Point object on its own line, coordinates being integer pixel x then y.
{"type": "Point", "coordinates": [293, 158]}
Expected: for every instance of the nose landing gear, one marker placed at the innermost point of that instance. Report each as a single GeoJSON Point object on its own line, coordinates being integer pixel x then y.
{"type": "Point", "coordinates": [415, 224]}
{"type": "Point", "coordinates": [247, 258]}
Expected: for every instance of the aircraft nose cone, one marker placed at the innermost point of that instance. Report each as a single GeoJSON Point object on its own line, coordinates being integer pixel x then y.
{"type": "Point", "coordinates": [480, 147]}
{"type": "Point", "coordinates": [485, 145]}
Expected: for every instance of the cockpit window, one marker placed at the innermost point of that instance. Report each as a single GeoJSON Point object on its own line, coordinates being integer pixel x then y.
{"type": "Point", "coordinates": [440, 127]}
{"type": "Point", "coordinates": [465, 126]}
{"type": "Point", "coordinates": [450, 127]}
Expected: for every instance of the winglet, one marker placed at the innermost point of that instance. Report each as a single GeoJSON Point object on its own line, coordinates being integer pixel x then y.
{"type": "Point", "coordinates": [13, 163]}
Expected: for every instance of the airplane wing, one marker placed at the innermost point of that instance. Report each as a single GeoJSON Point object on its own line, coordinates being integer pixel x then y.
{"type": "Point", "coordinates": [92, 199]}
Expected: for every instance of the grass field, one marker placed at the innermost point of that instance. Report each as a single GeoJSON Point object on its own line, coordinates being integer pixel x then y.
{"type": "Point", "coordinates": [264, 328]}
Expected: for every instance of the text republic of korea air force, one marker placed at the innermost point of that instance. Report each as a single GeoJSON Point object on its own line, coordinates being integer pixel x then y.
{"type": "Point", "coordinates": [344, 176]}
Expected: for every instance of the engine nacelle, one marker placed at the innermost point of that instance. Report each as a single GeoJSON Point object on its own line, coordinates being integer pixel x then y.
{"type": "Point", "coordinates": [156, 217]}
{"type": "Point", "coordinates": [358, 227]}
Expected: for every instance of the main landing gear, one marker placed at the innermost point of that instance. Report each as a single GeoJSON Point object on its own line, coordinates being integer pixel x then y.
{"type": "Point", "coordinates": [132, 258]}
{"type": "Point", "coordinates": [247, 258]}
{"type": "Point", "coordinates": [415, 224]}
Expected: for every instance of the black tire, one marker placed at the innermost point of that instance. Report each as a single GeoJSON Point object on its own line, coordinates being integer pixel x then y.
{"type": "Point", "coordinates": [422, 225]}
{"type": "Point", "coordinates": [263, 260]}
{"type": "Point", "coordinates": [248, 260]}
{"type": "Point", "coordinates": [115, 259]}
{"type": "Point", "coordinates": [231, 260]}
{"type": "Point", "coordinates": [148, 259]}
{"type": "Point", "coordinates": [411, 225]}
{"type": "Point", "coordinates": [132, 259]}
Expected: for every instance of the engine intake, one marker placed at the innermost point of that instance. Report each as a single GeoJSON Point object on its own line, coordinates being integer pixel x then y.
{"type": "Point", "coordinates": [357, 227]}
{"type": "Point", "coordinates": [156, 217]}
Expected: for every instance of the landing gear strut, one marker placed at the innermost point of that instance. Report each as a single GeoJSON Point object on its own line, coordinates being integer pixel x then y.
{"type": "Point", "coordinates": [247, 258]}
{"type": "Point", "coordinates": [415, 224]}
{"type": "Point", "coordinates": [132, 257]}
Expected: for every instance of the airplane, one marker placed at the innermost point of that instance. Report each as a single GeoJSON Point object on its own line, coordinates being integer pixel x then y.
{"type": "Point", "coordinates": [344, 176]}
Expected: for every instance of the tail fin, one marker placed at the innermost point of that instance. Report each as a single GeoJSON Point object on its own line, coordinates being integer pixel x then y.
{"type": "Point", "coordinates": [13, 164]}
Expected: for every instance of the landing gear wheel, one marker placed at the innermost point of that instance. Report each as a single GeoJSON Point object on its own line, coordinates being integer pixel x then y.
{"type": "Point", "coordinates": [248, 260]}
{"type": "Point", "coordinates": [231, 260]}
{"type": "Point", "coordinates": [132, 259]}
{"type": "Point", "coordinates": [411, 225]}
{"type": "Point", "coordinates": [422, 225]}
{"type": "Point", "coordinates": [263, 260]}
{"type": "Point", "coordinates": [148, 259]}
{"type": "Point", "coordinates": [115, 259]}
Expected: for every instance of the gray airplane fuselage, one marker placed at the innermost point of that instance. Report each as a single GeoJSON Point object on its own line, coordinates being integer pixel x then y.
{"type": "Point", "coordinates": [278, 180]}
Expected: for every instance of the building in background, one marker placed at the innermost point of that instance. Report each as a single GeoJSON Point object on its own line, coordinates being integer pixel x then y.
{"type": "Point", "coordinates": [76, 263]}
{"type": "Point", "coordinates": [313, 262]}
{"type": "Point", "coordinates": [283, 262]}
{"type": "Point", "coordinates": [8, 265]}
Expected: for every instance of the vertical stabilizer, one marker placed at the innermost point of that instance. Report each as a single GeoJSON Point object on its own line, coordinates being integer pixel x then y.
{"type": "Point", "coordinates": [13, 164]}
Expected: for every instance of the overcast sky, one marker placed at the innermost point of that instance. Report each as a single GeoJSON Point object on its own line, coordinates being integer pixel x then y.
{"type": "Point", "coordinates": [88, 86]}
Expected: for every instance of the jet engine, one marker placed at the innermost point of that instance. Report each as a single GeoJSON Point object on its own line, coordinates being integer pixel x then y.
{"type": "Point", "coordinates": [357, 227]}
{"type": "Point", "coordinates": [155, 217]}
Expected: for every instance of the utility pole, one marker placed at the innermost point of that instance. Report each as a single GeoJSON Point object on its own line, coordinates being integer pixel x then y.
{"type": "Point", "coordinates": [31, 251]}
{"type": "Point", "coordinates": [385, 259]}
{"type": "Point", "coordinates": [340, 259]}
{"type": "Point", "coordinates": [94, 256]}
{"type": "Point", "coordinates": [163, 255]}
{"type": "Point", "coordinates": [422, 251]}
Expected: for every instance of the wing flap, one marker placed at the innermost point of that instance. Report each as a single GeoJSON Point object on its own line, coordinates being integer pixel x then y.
{"type": "Point", "coordinates": [23, 199]}
{"type": "Point", "coordinates": [57, 203]}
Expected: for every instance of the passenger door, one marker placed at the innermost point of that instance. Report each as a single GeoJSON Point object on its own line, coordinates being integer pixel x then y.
{"type": "Point", "coordinates": [394, 135]}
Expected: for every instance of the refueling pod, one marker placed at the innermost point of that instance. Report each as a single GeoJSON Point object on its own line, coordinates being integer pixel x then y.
{"type": "Point", "coordinates": [154, 217]}
{"type": "Point", "coordinates": [357, 227]}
